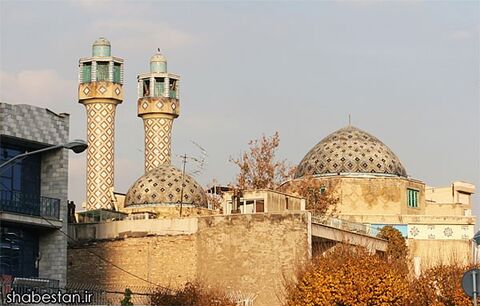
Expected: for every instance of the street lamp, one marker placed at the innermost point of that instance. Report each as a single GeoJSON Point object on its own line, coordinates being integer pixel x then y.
{"type": "Point", "coordinates": [476, 242]}
{"type": "Point", "coordinates": [77, 146]}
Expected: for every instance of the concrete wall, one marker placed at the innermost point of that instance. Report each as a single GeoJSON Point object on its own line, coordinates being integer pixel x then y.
{"type": "Point", "coordinates": [41, 126]}
{"type": "Point", "coordinates": [375, 195]}
{"type": "Point", "coordinates": [458, 192]}
{"type": "Point", "coordinates": [247, 253]}
{"type": "Point", "coordinates": [434, 252]}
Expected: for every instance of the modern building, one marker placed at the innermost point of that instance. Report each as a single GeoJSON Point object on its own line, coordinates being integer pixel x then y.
{"type": "Point", "coordinates": [374, 189]}
{"type": "Point", "coordinates": [33, 194]}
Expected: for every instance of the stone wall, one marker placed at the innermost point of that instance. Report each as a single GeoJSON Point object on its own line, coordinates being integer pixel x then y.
{"type": "Point", "coordinates": [252, 253]}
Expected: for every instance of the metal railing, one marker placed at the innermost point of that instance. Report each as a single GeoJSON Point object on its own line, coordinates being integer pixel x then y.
{"type": "Point", "coordinates": [350, 226]}
{"type": "Point", "coordinates": [29, 204]}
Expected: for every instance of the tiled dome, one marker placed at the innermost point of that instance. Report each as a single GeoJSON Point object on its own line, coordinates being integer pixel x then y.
{"type": "Point", "coordinates": [163, 185]}
{"type": "Point", "coordinates": [350, 150]}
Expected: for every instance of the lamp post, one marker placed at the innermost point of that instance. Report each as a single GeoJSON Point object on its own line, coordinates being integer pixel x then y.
{"type": "Point", "coordinates": [77, 146]}
{"type": "Point", "coordinates": [475, 243]}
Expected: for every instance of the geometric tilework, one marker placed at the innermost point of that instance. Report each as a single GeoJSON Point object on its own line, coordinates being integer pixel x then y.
{"type": "Point", "coordinates": [350, 150]}
{"type": "Point", "coordinates": [33, 123]}
{"type": "Point", "coordinates": [163, 185]}
{"type": "Point", "coordinates": [157, 142]}
{"type": "Point", "coordinates": [100, 154]}
{"type": "Point", "coordinates": [440, 231]}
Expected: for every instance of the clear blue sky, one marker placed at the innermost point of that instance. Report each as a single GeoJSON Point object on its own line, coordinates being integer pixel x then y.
{"type": "Point", "coordinates": [407, 72]}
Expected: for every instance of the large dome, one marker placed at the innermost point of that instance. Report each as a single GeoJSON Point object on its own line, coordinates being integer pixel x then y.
{"type": "Point", "coordinates": [350, 150]}
{"type": "Point", "coordinates": [163, 185]}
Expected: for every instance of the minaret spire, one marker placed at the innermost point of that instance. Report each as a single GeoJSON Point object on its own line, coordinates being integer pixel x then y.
{"type": "Point", "coordinates": [158, 105]}
{"type": "Point", "coordinates": [100, 89]}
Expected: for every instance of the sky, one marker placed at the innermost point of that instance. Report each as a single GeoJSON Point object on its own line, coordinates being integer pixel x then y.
{"type": "Point", "coordinates": [407, 72]}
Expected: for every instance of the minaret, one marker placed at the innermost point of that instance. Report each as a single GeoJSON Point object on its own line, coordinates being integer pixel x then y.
{"type": "Point", "coordinates": [158, 105]}
{"type": "Point", "coordinates": [100, 90]}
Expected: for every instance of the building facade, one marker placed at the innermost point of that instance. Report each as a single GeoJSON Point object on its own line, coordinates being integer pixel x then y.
{"type": "Point", "coordinates": [33, 194]}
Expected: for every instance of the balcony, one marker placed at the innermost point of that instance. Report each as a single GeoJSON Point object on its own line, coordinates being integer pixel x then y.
{"type": "Point", "coordinates": [29, 204]}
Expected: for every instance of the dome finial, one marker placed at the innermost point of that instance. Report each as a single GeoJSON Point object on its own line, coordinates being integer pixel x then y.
{"type": "Point", "coordinates": [101, 47]}
{"type": "Point", "coordinates": [158, 62]}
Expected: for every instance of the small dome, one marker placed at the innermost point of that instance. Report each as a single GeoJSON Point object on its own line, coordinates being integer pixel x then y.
{"type": "Point", "coordinates": [101, 41]}
{"type": "Point", "coordinates": [158, 57]}
{"type": "Point", "coordinates": [101, 47]}
{"type": "Point", "coordinates": [163, 185]}
{"type": "Point", "coordinates": [350, 150]}
{"type": "Point", "coordinates": [158, 63]}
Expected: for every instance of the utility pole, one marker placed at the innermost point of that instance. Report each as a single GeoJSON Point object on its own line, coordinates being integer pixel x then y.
{"type": "Point", "coordinates": [184, 161]}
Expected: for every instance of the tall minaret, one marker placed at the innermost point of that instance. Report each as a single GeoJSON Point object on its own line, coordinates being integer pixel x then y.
{"type": "Point", "coordinates": [100, 90]}
{"type": "Point", "coordinates": [158, 105]}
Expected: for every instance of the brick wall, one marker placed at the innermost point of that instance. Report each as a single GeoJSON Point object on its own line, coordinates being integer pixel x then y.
{"type": "Point", "coordinates": [252, 254]}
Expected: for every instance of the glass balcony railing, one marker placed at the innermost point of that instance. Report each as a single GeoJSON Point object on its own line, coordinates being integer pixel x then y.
{"type": "Point", "coordinates": [29, 204]}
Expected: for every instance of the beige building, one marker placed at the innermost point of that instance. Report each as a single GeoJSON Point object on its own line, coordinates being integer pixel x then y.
{"type": "Point", "coordinates": [374, 189]}
{"type": "Point", "coordinates": [261, 201]}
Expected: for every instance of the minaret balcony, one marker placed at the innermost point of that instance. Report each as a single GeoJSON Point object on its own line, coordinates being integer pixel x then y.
{"type": "Point", "coordinates": [158, 105]}
{"type": "Point", "coordinates": [100, 90]}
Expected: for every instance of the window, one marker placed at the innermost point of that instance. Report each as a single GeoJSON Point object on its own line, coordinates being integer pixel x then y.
{"type": "Point", "coordinates": [102, 71]}
{"type": "Point", "coordinates": [146, 88]}
{"type": "Point", "coordinates": [87, 73]}
{"type": "Point", "coordinates": [412, 198]}
{"type": "Point", "coordinates": [116, 73]}
{"type": "Point", "coordinates": [18, 252]}
{"type": "Point", "coordinates": [22, 175]}
{"type": "Point", "coordinates": [173, 89]}
{"type": "Point", "coordinates": [20, 181]}
{"type": "Point", "coordinates": [159, 86]}
{"type": "Point", "coordinates": [259, 206]}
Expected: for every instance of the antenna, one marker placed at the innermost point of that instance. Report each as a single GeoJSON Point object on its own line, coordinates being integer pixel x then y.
{"type": "Point", "coordinates": [349, 120]}
{"type": "Point", "coordinates": [199, 162]}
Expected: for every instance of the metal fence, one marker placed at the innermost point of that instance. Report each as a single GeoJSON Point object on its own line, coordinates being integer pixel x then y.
{"type": "Point", "coordinates": [77, 293]}
{"type": "Point", "coordinates": [29, 204]}
{"type": "Point", "coordinates": [350, 226]}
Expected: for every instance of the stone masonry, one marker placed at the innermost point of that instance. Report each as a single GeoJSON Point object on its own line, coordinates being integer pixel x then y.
{"type": "Point", "coordinates": [252, 254]}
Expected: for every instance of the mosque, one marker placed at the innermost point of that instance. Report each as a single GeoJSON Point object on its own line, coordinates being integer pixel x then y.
{"type": "Point", "coordinates": [374, 189]}
{"type": "Point", "coordinates": [258, 243]}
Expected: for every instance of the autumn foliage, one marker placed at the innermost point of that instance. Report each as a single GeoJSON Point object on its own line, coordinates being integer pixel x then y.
{"type": "Point", "coordinates": [320, 199]}
{"type": "Point", "coordinates": [347, 276]}
{"type": "Point", "coordinates": [190, 294]}
{"type": "Point", "coordinates": [258, 167]}
{"type": "Point", "coordinates": [397, 251]}
{"type": "Point", "coordinates": [440, 286]}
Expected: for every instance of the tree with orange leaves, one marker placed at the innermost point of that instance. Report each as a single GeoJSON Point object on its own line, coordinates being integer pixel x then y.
{"type": "Point", "coordinates": [348, 276]}
{"type": "Point", "coordinates": [258, 167]}
{"type": "Point", "coordinates": [439, 286]}
{"type": "Point", "coordinates": [320, 199]}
